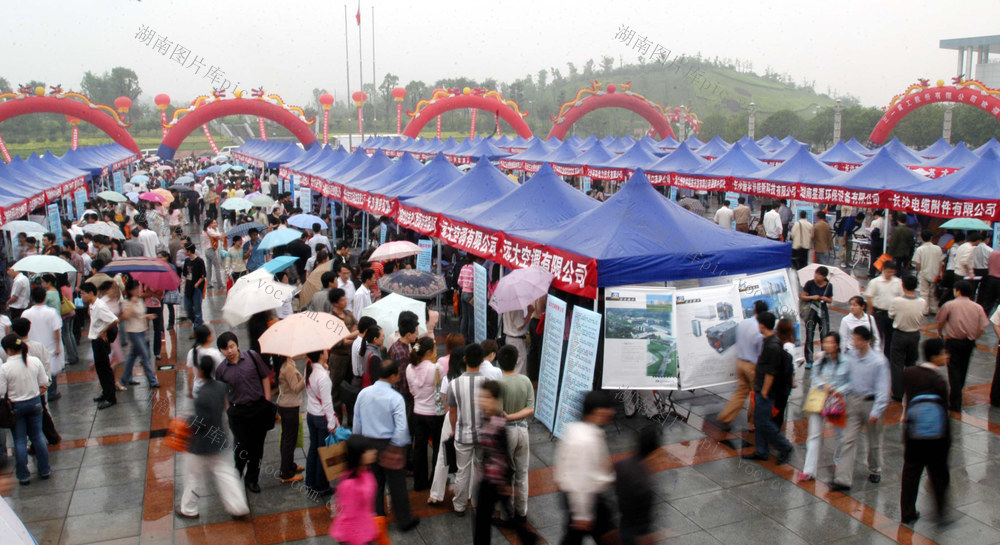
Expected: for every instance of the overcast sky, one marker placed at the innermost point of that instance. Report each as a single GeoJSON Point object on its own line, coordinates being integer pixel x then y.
{"type": "Point", "coordinates": [870, 48]}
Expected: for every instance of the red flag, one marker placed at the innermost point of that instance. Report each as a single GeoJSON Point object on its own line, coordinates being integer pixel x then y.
{"type": "Point", "coordinates": [358, 15]}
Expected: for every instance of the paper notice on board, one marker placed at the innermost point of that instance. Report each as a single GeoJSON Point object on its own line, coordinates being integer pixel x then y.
{"type": "Point", "coordinates": [706, 335]}
{"type": "Point", "coordinates": [640, 345]}
{"type": "Point", "coordinates": [578, 373]}
{"type": "Point", "coordinates": [551, 362]}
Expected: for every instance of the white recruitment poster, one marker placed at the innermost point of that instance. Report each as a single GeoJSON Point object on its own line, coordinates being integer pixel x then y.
{"type": "Point", "coordinates": [479, 297]}
{"type": "Point", "coordinates": [775, 289]}
{"type": "Point", "coordinates": [706, 335]}
{"type": "Point", "coordinates": [640, 346]}
{"type": "Point", "coordinates": [305, 199]}
{"type": "Point", "coordinates": [551, 362]}
{"type": "Point", "coordinates": [578, 374]}
{"type": "Point", "coordinates": [424, 257]}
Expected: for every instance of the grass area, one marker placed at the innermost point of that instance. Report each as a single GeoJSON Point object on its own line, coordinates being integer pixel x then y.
{"type": "Point", "coordinates": [59, 147]}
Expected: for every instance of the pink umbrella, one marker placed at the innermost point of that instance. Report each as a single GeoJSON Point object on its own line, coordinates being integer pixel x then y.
{"type": "Point", "coordinates": [303, 333]}
{"type": "Point", "coordinates": [152, 197]}
{"type": "Point", "coordinates": [149, 271]}
{"type": "Point", "coordinates": [518, 289]}
{"type": "Point", "coordinates": [395, 250]}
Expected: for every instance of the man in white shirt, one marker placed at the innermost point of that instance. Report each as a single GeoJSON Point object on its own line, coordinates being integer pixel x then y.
{"type": "Point", "coordinates": [363, 297]}
{"type": "Point", "coordinates": [964, 259]}
{"type": "Point", "coordinates": [20, 294]}
{"type": "Point", "coordinates": [102, 320]}
{"type": "Point", "coordinates": [46, 328]}
{"type": "Point", "coordinates": [265, 187]}
{"type": "Point", "coordinates": [927, 260]}
{"type": "Point", "coordinates": [345, 283]}
{"type": "Point", "coordinates": [515, 328]}
{"type": "Point", "coordinates": [318, 238]}
{"type": "Point", "coordinates": [724, 216]}
{"type": "Point", "coordinates": [149, 240]}
{"type": "Point", "coordinates": [801, 235]}
{"type": "Point", "coordinates": [879, 295]}
{"type": "Point", "coordinates": [584, 471]}
{"type": "Point", "coordinates": [772, 225]}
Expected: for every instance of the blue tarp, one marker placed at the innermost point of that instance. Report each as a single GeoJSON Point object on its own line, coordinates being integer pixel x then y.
{"type": "Point", "coordinates": [482, 183]}
{"type": "Point", "coordinates": [484, 149]}
{"type": "Point", "coordinates": [437, 173]}
{"type": "Point", "coordinates": [644, 237]}
{"type": "Point", "coordinates": [802, 167]}
{"type": "Point", "coordinates": [566, 151]}
{"type": "Point", "coordinates": [734, 163]}
{"type": "Point", "coordinates": [880, 173]}
{"type": "Point", "coordinates": [937, 149]}
{"type": "Point", "coordinates": [534, 154]}
{"type": "Point", "coordinates": [841, 152]}
{"type": "Point", "coordinates": [958, 157]}
{"type": "Point", "coordinates": [98, 160]}
{"type": "Point", "coordinates": [545, 200]}
{"type": "Point", "coordinates": [980, 181]}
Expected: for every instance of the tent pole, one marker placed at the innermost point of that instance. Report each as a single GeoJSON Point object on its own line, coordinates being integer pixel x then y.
{"type": "Point", "coordinates": [437, 267]}
{"type": "Point", "coordinates": [364, 231]}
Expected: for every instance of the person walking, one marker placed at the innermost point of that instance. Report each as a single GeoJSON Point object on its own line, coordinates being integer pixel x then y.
{"type": "Point", "coordinates": [822, 240]}
{"type": "Point", "coordinates": [818, 293]}
{"type": "Point", "coordinates": [291, 383]}
{"type": "Point", "coordinates": [204, 345]}
{"type": "Point", "coordinates": [866, 404]}
{"type": "Point", "coordinates": [23, 381]}
{"type": "Point", "coordinates": [424, 378]}
{"type": "Point", "coordinates": [20, 293]}
{"type": "Point", "coordinates": [136, 324]}
{"type": "Point", "coordinates": [518, 407]}
{"type": "Point", "coordinates": [724, 216]}
{"type": "Point", "coordinates": [515, 330]}
{"type": "Point", "coordinates": [236, 264]}
{"type": "Point", "coordinates": [466, 277]}
{"type": "Point", "coordinates": [584, 473]}
{"type": "Point", "coordinates": [380, 415]}
{"type": "Point", "coordinates": [206, 451]}
{"type": "Point", "coordinates": [251, 413]}
{"type": "Point", "coordinates": [927, 260]}
{"type": "Point", "coordinates": [211, 241]}
{"type": "Point", "coordinates": [634, 488]}
{"type": "Point", "coordinates": [446, 458]}
{"type": "Point", "coordinates": [749, 342]}
{"type": "Point", "coordinates": [68, 312]}
{"type": "Point", "coordinates": [465, 417]}
{"type": "Point", "coordinates": [741, 215]}
{"type": "Point", "coordinates": [879, 294]}
{"type": "Point", "coordinates": [194, 285]}
{"type": "Point", "coordinates": [103, 329]}
{"type": "Point", "coordinates": [900, 246]}
{"type": "Point", "coordinates": [926, 432]}
{"type": "Point", "coordinates": [46, 330]}
{"type": "Point", "coordinates": [801, 235]}
{"type": "Point", "coordinates": [830, 376]}
{"type": "Point", "coordinates": [771, 367]}
{"type": "Point", "coordinates": [907, 313]}
{"type": "Point", "coordinates": [960, 322]}
{"type": "Point", "coordinates": [989, 291]}
{"type": "Point", "coordinates": [320, 419]}
{"type": "Point", "coordinates": [354, 522]}
{"type": "Point", "coordinates": [855, 317]}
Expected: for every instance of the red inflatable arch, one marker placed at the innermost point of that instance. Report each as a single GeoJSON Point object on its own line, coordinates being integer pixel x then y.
{"type": "Point", "coordinates": [971, 93]}
{"type": "Point", "coordinates": [446, 101]}
{"type": "Point", "coordinates": [203, 113]}
{"type": "Point", "coordinates": [588, 100]}
{"type": "Point", "coordinates": [98, 115]}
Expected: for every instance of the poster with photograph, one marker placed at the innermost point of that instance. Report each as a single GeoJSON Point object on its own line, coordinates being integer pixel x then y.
{"type": "Point", "coordinates": [706, 335]}
{"type": "Point", "coordinates": [640, 347]}
{"type": "Point", "coordinates": [551, 362]}
{"type": "Point", "coordinates": [777, 290]}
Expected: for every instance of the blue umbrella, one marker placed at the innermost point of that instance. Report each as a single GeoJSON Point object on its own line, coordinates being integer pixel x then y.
{"type": "Point", "coordinates": [184, 180]}
{"type": "Point", "coordinates": [202, 172]}
{"type": "Point", "coordinates": [280, 263]}
{"type": "Point", "coordinates": [138, 179]}
{"type": "Point", "coordinates": [305, 221]}
{"type": "Point", "coordinates": [213, 169]}
{"type": "Point", "coordinates": [243, 229]}
{"type": "Point", "coordinates": [279, 237]}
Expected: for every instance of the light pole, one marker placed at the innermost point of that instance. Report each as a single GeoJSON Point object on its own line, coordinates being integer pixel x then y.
{"type": "Point", "coordinates": [946, 131]}
{"type": "Point", "coordinates": [752, 121]}
{"type": "Point", "coordinates": [836, 121]}
{"type": "Point", "coordinates": [682, 124]}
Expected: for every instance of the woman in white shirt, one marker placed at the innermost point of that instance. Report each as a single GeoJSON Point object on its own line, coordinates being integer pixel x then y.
{"type": "Point", "coordinates": [320, 419]}
{"type": "Point", "coordinates": [456, 367]}
{"type": "Point", "coordinates": [23, 381]}
{"type": "Point", "coordinates": [857, 317]}
{"type": "Point", "coordinates": [424, 378]}
{"type": "Point", "coordinates": [204, 345]}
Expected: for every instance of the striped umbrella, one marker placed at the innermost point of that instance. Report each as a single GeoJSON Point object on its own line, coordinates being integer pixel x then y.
{"type": "Point", "coordinates": [150, 271]}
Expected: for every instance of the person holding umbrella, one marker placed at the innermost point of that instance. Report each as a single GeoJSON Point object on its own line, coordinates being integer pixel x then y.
{"type": "Point", "coordinates": [136, 324]}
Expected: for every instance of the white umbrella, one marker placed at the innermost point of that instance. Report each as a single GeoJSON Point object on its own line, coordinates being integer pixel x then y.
{"type": "Point", "coordinates": [221, 158]}
{"type": "Point", "coordinates": [22, 226]}
{"type": "Point", "coordinates": [12, 527]}
{"type": "Point", "coordinates": [43, 264]}
{"type": "Point", "coordinates": [517, 290]}
{"type": "Point", "coordinates": [303, 333]}
{"type": "Point", "coordinates": [236, 203]}
{"type": "Point", "coordinates": [253, 293]}
{"type": "Point", "coordinates": [104, 228]}
{"type": "Point", "coordinates": [397, 249]}
{"type": "Point", "coordinates": [844, 285]}
{"type": "Point", "coordinates": [386, 311]}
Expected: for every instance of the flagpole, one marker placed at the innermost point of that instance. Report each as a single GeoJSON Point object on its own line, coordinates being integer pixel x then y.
{"type": "Point", "coordinates": [374, 80]}
{"type": "Point", "coordinates": [361, 70]}
{"type": "Point", "coordinates": [347, 69]}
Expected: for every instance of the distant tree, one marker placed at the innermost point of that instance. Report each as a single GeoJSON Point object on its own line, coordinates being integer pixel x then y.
{"type": "Point", "coordinates": [542, 78]}
{"type": "Point", "coordinates": [818, 130]}
{"type": "Point", "coordinates": [607, 65]}
{"type": "Point", "coordinates": [571, 69]}
{"type": "Point", "coordinates": [588, 69]}
{"type": "Point", "coordinates": [556, 75]}
{"type": "Point", "coordinates": [973, 126]}
{"type": "Point", "coordinates": [712, 126]}
{"type": "Point", "coordinates": [922, 127]}
{"type": "Point", "coordinates": [489, 83]}
{"type": "Point", "coordinates": [5, 86]}
{"type": "Point", "coordinates": [389, 82]}
{"type": "Point", "coordinates": [858, 122]}
{"type": "Point", "coordinates": [782, 123]}
{"type": "Point", "coordinates": [105, 88]}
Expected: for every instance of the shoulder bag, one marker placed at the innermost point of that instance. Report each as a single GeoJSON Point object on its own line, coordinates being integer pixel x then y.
{"type": "Point", "coordinates": [8, 418]}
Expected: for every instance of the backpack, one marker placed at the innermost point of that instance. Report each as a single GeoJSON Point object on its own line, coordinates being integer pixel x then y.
{"type": "Point", "coordinates": [926, 417]}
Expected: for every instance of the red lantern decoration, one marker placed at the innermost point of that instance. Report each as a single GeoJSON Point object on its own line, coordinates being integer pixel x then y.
{"type": "Point", "coordinates": [162, 100]}
{"type": "Point", "coordinates": [123, 104]}
{"type": "Point", "coordinates": [398, 94]}
{"type": "Point", "coordinates": [359, 100]}
{"type": "Point", "coordinates": [611, 88]}
{"type": "Point", "coordinates": [74, 122]}
{"type": "Point", "coordinates": [326, 101]}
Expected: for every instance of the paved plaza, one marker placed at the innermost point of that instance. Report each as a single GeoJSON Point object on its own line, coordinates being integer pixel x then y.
{"type": "Point", "coordinates": [114, 481]}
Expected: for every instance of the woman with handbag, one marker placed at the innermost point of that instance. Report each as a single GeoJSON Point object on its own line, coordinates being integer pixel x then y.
{"type": "Point", "coordinates": [251, 413]}
{"type": "Point", "coordinates": [206, 450]}
{"type": "Point", "coordinates": [320, 419]}
{"type": "Point", "coordinates": [23, 381]}
{"type": "Point", "coordinates": [424, 379]}
{"type": "Point", "coordinates": [830, 375]}
{"type": "Point", "coordinates": [855, 318]}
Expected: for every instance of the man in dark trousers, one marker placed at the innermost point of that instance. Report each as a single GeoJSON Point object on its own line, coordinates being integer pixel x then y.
{"type": "Point", "coordinates": [925, 383]}
{"type": "Point", "coordinates": [960, 322]}
{"type": "Point", "coordinates": [770, 365]}
{"type": "Point", "coordinates": [300, 249]}
{"type": "Point", "coordinates": [900, 246]}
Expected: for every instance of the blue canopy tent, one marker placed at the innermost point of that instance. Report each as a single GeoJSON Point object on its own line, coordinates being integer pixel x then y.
{"type": "Point", "coordinates": [858, 147]}
{"type": "Point", "coordinates": [373, 165]}
{"type": "Point", "coordinates": [694, 143]}
{"type": "Point", "coordinates": [716, 147]}
{"type": "Point", "coordinates": [841, 153]}
{"type": "Point", "coordinates": [437, 173]}
{"type": "Point", "coordinates": [780, 181]}
{"type": "Point", "coordinates": [310, 157]}
{"type": "Point", "coordinates": [681, 161]}
{"type": "Point", "coordinates": [786, 152]}
{"type": "Point", "coordinates": [971, 192]}
{"type": "Point", "coordinates": [958, 157]}
{"type": "Point", "coordinates": [901, 153]}
{"type": "Point", "coordinates": [484, 149]}
{"type": "Point", "coordinates": [770, 143]}
{"type": "Point", "coordinates": [990, 144]}
{"type": "Point", "coordinates": [587, 143]}
{"type": "Point", "coordinates": [333, 167]}
{"type": "Point", "coordinates": [669, 143]}
{"type": "Point", "coordinates": [356, 193]}
{"type": "Point", "coordinates": [620, 144]}
{"type": "Point", "coordinates": [644, 237]}
{"type": "Point", "coordinates": [566, 151]}
{"type": "Point", "coordinates": [753, 150]}
{"type": "Point", "coordinates": [538, 150]}
{"type": "Point", "coordinates": [937, 149]}
{"type": "Point", "coordinates": [637, 157]}
{"type": "Point", "coordinates": [734, 163]}
{"type": "Point", "coordinates": [866, 185]}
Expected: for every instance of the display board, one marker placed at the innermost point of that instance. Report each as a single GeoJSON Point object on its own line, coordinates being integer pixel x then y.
{"type": "Point", "coordinates": [305, 200]}
{"type": "Point", "coordinates": [578, 373]}
{"type": "Point", "coordinates": [639, 338]}
{"type": "Point", "coordinates": [706, 335]}
{"type": "Point", "coordinates": [424, 257]}
{"type": "Point", "coordinates": [479, 301]}
{"type": "Point", "coordinates": [808, 208]}
{"type": "Point", "coordinates": [781, 294]}
{"type": "Point", "coordinates": [119, 180]}
{"type": "Point", "coordinates": [81, 199]}
{"type": "Point", "coordinates": [551, 362]}
{"type": "Point", "coordinates": [55, 221]}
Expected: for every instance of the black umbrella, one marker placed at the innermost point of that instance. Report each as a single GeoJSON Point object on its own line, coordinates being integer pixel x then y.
{"type": "Point", "coordinates": [413, 283]}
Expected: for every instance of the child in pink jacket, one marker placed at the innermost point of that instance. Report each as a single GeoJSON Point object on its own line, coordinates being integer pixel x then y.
{"type": "Point", "coordinates": [354, 523]}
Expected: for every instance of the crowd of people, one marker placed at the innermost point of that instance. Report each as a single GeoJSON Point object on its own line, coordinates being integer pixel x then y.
{"type": "Point", "coordinates": [460, 417]}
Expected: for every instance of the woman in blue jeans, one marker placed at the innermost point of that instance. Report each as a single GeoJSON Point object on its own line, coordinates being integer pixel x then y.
{"type": "Point", "coordinates": [23, 380]}
{"type": "Point", "coordinates": [320, 419]}
{"type": "Point", "coordinates": [136, 319]}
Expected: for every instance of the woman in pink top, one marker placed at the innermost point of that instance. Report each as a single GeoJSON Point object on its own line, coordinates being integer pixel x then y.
{"type": "Point", "coordinates": [424, 378]}
{"type": "Point", "coordinates": [354, 510]}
